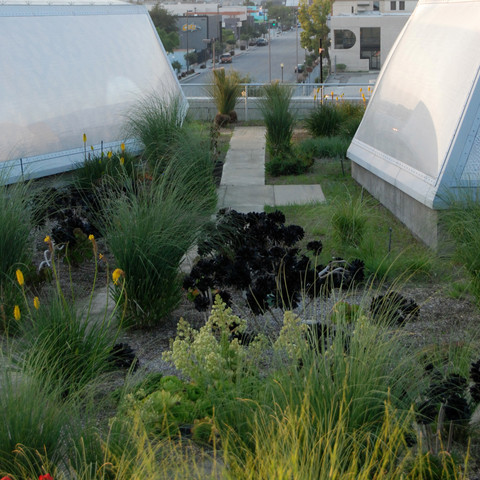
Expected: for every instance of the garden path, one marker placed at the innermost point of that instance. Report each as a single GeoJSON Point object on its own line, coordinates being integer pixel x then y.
{"type": "Point", "coordinates": [243, 178]}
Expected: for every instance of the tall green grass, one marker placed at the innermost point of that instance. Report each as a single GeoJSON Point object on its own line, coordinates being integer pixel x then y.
{"type": "Point", "coordinates": [279, 120]}
{"type": "Point", "coordinates": [329, 119]}
{"type": "Point", "coordinates": [461, 223]}
{"type": "Point", "coordinates": [149, 227]}
{"type": "Point", "coordinates": [324, 120]}
{"type": "Point", "coordinates": [95, 169]}
{"type": "Point", "coordinates": [156, 123]}
{"type": "Point", "coordinates": [68, 349]}
{"type": "Point", "coordinates": [349, 220]}
{"type": "Point", "coordinates": [16, 220]}
{"type": "Point", "coordinates": [33, 415]}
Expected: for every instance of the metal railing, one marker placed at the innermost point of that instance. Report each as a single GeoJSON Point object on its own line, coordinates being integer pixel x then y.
{"type": "Point", "coordinates": [347, 91]}
{"type": "Point", "coordinates": [306, 96]}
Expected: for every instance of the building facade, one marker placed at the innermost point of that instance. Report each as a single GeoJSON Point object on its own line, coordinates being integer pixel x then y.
{"type": "Point", "coordinates": [363, 32]}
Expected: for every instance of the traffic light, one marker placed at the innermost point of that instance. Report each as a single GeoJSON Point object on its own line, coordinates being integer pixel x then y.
{"type": "Point", "coordinates": [274, 22]}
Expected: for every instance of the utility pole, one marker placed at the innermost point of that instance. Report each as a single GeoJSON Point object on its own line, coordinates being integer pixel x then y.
{"type": "Point", "coordinates": [296, 35]}
{"type": "Point", "coordinates": [269, 56]}
{"type": "Point", "coordinates": [320, 51]}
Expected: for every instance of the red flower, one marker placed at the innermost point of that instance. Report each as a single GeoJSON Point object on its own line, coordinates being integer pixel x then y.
{"type": "Point", "coordinates": [47, 476]}
{"type": "Point", "coordinates": [5, 478]}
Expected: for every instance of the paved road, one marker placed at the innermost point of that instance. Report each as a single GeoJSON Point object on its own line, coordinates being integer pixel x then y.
{"type": "Point", "coordinates": [260, 63]}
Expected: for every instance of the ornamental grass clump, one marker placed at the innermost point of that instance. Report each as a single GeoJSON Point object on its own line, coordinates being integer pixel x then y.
{"type": "Point", "coordinates": [349, 221]}
{"type": "Point", "coordinates": [151, 225]}
{"type": "Point", "coordinates": [461, 223]}
{"type": "Point", "coordinates": [156, 123]}
{"type": "Point", "coordinates": [94, 169]}
{"type": "Point", "coordinates": [340, 405]}
{"type": "Point", "coordinates": [279, 120]}
{"type": "Point", "coordinates": [16, 220]}
{"type": "Point", "coordinates": [61, 343]}
{"type": "Point", "coordinates": [34, 420]}
{"type": "Point", "coordinates": [324, 120]}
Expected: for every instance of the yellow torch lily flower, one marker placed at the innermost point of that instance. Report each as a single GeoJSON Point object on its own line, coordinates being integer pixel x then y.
{"type": "Point", "coordinates": [122, 161]}
{"type": "Point", "coordinates": [122, 147]}
{"type": "Point", "coordinates": [20, 278]}
{"type": "Point", "coordinates": [36, 303]}
{"type": "Point", "coordinates": [117, 273]}
{"type": "Point", "coordinates": [16, 312]}
{"type": "Point", "coordinates": [84, 138]}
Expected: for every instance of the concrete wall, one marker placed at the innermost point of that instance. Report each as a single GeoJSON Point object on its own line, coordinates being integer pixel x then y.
{"type": "Point", "coordinates": [419, 219]}
{"type": "Point", "coordinates": [390, 27]}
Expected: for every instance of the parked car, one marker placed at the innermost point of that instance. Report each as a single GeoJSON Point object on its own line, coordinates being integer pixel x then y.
{"type": "Point", "coordinates": [225, 58]}
{"type": "Point", "coordinates": [300, 68]}
{"type": "Point", "coordinates": [252, 42]}
{"type": "Point", "coordinates": [261, 42]}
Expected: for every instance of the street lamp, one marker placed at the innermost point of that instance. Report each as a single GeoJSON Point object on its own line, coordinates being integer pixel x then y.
{"type": "Point", "coordinates": [188, 28]}
{"type": "Point", "coordinates": [281, 66]}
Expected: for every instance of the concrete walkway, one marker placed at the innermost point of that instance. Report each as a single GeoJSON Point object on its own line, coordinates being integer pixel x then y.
{"type": "Point", "coordinates": [243, 179]}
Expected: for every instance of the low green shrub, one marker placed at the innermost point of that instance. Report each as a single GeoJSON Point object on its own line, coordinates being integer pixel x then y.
{"type": "Point", "coordinates": [287, 164]}
{"type": "Point", "coordinates": [348, 127]}
{"type": "Point", "coordinates": [323, 147]}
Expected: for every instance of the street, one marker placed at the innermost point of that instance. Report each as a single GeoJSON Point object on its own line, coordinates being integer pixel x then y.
{"type": "Point", "coordinates": [254, 63]}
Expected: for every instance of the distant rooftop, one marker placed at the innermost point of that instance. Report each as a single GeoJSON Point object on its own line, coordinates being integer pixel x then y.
{"type": "Point", "coordinates": [62, 2]}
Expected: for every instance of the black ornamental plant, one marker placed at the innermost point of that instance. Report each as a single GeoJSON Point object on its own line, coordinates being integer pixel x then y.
{"type": "Point", "coordinates": [257, 253]}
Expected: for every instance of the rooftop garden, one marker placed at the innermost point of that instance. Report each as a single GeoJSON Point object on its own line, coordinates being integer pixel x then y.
{"type": "Point", "coordinates": [311, 341]}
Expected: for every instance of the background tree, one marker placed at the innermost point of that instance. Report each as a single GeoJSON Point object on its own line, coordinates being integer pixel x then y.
{"type": "Point", "coordinates": [313, 19]}
{"type": "Point", "coordinates": [177, 66]}
{"type": "Point", "coordinates": [161, 18]}
{"type": "Point", "coordinates": [166, 25]}
{"type": "Point", "coordinates": [170, 40]}
{"type": "Point", "coordinates": [282, 14]}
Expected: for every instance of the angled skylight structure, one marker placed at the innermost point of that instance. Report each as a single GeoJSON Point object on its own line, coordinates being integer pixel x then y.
{"type": "Point", "coordinates": [69, 70]}
{"type": "Point", "coordinates": [419, 141]}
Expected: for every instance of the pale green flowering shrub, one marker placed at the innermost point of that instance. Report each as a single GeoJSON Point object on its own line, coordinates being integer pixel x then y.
{"type": "Point", "coordinates": [209, 353]}
{"type": "Point", "coordinates": [292, 339]}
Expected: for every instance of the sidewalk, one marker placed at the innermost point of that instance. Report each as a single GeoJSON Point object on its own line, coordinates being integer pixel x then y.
{"type": "Point", "coordinates": [243, 188]}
